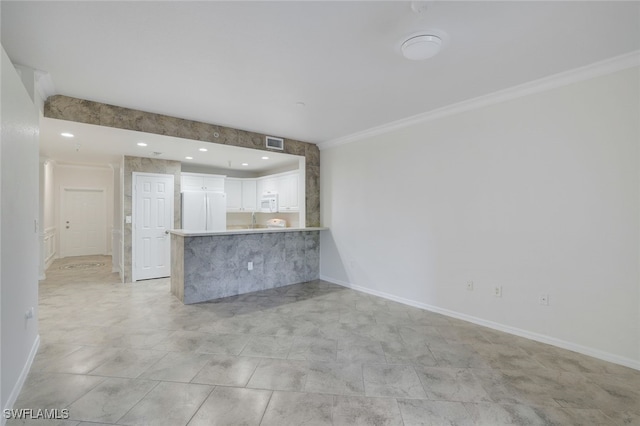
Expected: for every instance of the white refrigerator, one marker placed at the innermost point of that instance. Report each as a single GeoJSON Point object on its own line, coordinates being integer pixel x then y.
{"type": "Point", "coordinates": [204, 211]}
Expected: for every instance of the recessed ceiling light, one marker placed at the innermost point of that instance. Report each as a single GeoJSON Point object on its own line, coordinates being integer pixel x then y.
{"type": "Point", "coordinates": [67, 134]}
{"type": "Point", "coordinates": [421, 47]}
{"type": "Point", "coordinates": [189, 158]}
{"type": "Point", "coordinates": [245, 164]}
{"type": "Point", "coordinates": [141, 144]}
{"type": "Point", "coordinates": [265, 158]}
{"type": "Point", "coordinates": [203, 149]}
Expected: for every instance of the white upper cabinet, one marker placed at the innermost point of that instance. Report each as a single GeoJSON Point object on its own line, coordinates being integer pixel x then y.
{"type": "Point", "coordinates": [201, 182]}
{"type": "Point", "coordinates": [214, 183]}
{"type": "Point", "coordinates": [249, 195]}
{"type": "Point", "coordinates": [267, 184]}
{"type": "Point", "coordinates": [241, 195]}
{"type": "Point", "coordinates": [288, 187]}
{"type": "Point", "coordinates": [233, 188]}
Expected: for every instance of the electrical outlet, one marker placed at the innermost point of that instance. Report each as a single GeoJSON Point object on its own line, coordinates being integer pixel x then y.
{"type": "Point", "coordinates": [250, 266]}
{"type": "Point", "coordinates": [470, 285]}
{"type": "Point", "coordinates": [544, 299]}
{"type": "Point", "coordinates": [497, 291]}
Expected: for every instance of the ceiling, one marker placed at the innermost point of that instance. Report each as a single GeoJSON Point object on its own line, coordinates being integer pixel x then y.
{"type": "Point", "coordinates": [99, 145]}
{"type": "Point", "coordinates": [247, 65]}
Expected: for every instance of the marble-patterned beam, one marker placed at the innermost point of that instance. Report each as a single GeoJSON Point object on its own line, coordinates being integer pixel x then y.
{"type": "Point", "coordinates": [84, 111]}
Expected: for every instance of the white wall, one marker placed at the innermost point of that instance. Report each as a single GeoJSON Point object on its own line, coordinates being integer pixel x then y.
{"type": "Point", "coordinates": [79, 176]}
{"type": "Point", "coordinates": [49, 195]}
{"type": "Point", "coordinates": [49, 228]}
{"type": "Point", "coordinates": [116, 229]}
{"type": "Point", "coordinates": [539, 194]}
{"type": "Point", "coordinates": [33, 80]}
{"type": "Point", "coordinates": [19, 246]}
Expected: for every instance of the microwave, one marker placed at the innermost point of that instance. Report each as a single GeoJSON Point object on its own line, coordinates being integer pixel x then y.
{"type": "Point", "coordinates": [269, 203]}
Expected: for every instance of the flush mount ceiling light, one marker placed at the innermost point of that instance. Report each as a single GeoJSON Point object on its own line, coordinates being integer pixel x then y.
{"type": "Point", "coordinates": [189, 158]}
{"type": "Point", "coordinates": [420, 47]}
{"type": "Point", "coordinates": [141, 144]}
{"type": "Point", "coordinates": [265, 158]}
{"type": "Point", "coordinates": [67, 134]}
{"type": "Point", "coordinates": [203, 149]}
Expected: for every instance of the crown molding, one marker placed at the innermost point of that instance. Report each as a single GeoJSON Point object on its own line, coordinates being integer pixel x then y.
{"type": "Point", "coordinates": [84, 166]}
{"type": "Point", "coordinates": [608, 66]}
{"type": "Point", "coordinates": [44, 84]}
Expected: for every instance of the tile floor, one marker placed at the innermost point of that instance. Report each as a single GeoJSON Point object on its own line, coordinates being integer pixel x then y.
{"type": "Point", "coordinates": [309, 354]}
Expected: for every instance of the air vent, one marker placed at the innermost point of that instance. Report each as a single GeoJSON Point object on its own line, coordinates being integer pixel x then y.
{"type": "Point", "coordinates": [275, 143]}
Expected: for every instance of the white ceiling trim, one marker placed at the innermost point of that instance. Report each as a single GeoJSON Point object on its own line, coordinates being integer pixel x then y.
{"type": "Point", "coordinates": [44, 84]}
{"type": "Point", "coordinates": [587, 72]}
{"type": "Point", "coordinates": [83, 166]}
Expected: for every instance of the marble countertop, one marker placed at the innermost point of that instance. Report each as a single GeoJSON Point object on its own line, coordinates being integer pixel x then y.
{"type": "Point", "coordinates": [187, 233]}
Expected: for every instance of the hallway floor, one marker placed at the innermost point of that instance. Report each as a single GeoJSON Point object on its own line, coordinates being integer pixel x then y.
{"type": "Point", "coordinates": [312, 354]}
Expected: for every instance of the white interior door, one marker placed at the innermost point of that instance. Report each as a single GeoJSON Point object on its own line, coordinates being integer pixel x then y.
{"type": "Point", "coordinates": [84, 227]}
{"type": "Point", "coordinates": [152, 217]}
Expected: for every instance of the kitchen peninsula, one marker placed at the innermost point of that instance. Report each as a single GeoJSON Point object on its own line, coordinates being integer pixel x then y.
{"type": "Point", "coordinates": [211, 265]}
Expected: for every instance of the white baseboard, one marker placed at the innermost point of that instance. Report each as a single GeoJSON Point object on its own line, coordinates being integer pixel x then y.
{"type": "Point", "coordinates": [49, 261]}
{"type": "Point", "coordinates": [21, 379]}
{"type": "Point", "coordinates": [596, 353]}
{"type": "Point", "coordinates": [47, 264]}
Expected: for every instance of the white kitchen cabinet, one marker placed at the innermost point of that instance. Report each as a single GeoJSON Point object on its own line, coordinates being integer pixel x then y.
{"type": "Point", "coordinates": [267, 184]}
{"type": "Point", "coordinates": [233, 188]}
{"type": "Point", "coordinates": [241, 195]}
{"type": "Point", "coordinates": [214, 183]}
{"type": "Point", "coordinates": [288, 187]}
{"type": "Point", "coordinates": [249, 195]}
{"type": "Point", "coordinates": [201, 182]}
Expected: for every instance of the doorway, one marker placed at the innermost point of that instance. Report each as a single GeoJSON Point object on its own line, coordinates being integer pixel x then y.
{"type": "Point", "coordinates": [152, 211]}
{"type": "Point", "coordinates": [83, 222]}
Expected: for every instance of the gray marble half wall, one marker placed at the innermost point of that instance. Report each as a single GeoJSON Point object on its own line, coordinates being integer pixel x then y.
{"type": "Point", "coordinates": [215, 266]}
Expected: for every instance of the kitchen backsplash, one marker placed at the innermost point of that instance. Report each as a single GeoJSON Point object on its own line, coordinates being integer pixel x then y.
{"type": "Point", "coordinates": [244, 219]}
